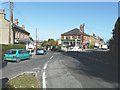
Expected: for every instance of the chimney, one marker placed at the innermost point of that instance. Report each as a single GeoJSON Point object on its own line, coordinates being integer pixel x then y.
{"type": "Point", "coordinates": [81, 29]}
{"type": "Point", "coordinates": [23, 26]}
{"type": "Point", "coordinates": [93, 35]}
{"type": "Point", "coordinates": [16, 22]}
{"type": "Point", "coordinates": [2, 14]}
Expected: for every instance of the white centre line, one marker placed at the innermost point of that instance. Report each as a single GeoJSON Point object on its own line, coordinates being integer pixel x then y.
{"type": "Point", "coordinates": [51, 57]}
{"type": "Point", "coordinates": [45, 66]}
{"type": "Point", "coordinates": [44, 82]}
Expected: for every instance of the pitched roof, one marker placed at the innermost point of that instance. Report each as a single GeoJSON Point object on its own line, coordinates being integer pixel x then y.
{"type": "Point", "coordinates": [73, 32]}
{"type": "Point", "coordinates": [20, 28]}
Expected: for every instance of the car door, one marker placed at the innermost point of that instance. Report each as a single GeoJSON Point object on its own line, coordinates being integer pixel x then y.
{"type": "Point", "coordinates": [21, 56]}
{"type": "Point", "coordinates": [26, 54]}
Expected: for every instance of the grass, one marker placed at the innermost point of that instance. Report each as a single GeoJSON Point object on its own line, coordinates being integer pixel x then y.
{"type": "Point", "coordinates": [23, 81]}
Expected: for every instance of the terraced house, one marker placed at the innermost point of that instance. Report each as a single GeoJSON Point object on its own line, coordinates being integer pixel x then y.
{"type": "Point", "coordinates": [18, 34]}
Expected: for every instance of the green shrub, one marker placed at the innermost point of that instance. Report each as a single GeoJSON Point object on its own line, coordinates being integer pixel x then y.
{"type": "Point", "coordinates": [91, 46]}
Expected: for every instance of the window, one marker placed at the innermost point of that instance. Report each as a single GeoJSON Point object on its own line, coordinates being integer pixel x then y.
{"type": "Point", "coordinates": [67, 37]}
{"type": "Point", "coordinates": [20, 51]}
{"type": "Point", "coordinates": [71, 37]}
{"type": "Point", "coordinates": [24, 52]}
{"type": "Point", "coordinates": [64, 37]}
{"type": "Point", "coordinates": [11, 52]}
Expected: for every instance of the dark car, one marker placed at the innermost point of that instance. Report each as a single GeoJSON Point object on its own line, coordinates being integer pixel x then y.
{"type": "Point", "coordinates": [40, 51]}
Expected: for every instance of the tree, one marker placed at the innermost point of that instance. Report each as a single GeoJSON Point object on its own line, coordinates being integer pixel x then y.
{"type": "Point", "coordinates": [114, 41]}
{"type": "Point", "coordinates": [44, 44]}
{"type": "Point", "coordinates": [51, 42]}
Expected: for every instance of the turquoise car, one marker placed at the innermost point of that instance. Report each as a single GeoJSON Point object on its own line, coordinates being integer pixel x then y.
{"type": "Point", "coordinates": [16, 55]}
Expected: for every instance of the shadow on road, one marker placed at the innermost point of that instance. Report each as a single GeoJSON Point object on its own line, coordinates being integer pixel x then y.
{"type": "Point", "coordinates": [3, 64]}
{"type": "Point", "coordinates": [97, 64]}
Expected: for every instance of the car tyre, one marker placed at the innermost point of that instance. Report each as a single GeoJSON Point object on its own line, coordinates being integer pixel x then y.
{"type": "Point", "coordinates": [18, 60]}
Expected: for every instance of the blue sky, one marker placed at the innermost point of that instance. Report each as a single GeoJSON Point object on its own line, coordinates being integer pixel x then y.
{"type": "Point", "coordinates": [54, 18]}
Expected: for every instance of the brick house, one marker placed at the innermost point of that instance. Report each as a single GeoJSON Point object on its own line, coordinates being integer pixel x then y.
{"type": "Point", "coordinates": [72, 39]}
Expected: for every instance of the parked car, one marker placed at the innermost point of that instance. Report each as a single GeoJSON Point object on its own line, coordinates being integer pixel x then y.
{"type": "Point", "coordinates": [16, 55]}
{"type": "Point", "coordinates": [41, 51]}
{"type": "Point", "coordinates": [104, 46]}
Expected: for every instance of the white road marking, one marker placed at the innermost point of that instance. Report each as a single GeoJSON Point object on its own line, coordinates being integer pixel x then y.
{"type": "Point", "coordinates": [51, 57]}
{"type": "Point", "coordinates": [44, 82]}
{"type": "Point", "coordinates": [45, 66]}
{"type": "Point", "coordinates": [36, 68]}
{"type": "Point", "coordinates": [48, 61]}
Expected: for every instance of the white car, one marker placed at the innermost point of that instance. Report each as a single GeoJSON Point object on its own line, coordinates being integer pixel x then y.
{"type": "Point", "coordinates": [104, 46]}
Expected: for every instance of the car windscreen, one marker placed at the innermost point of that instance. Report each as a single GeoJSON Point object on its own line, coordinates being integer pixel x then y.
{"type": "Point", "coordinates": [39, 49]}
{"type": "Point", "coordinates": [11, 52]}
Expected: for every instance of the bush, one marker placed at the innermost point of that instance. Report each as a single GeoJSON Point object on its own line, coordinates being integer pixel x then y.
{"type": "Point", "coordinates": [91, 46]}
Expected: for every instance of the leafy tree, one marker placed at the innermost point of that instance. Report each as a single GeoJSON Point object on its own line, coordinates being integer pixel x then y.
{"type": "Point", "coordinates": [44, 44]}
{"type": "Point", "coordinates": [51, 42]}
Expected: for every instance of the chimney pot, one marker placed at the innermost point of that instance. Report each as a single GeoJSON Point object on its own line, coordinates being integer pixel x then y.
{"type": "Point", "coordinates": [16, 22]}
{"type": "Point", "coordinates": [1, 11]}
{"type": "Point", "coordinates": [2, 14]}
{"type": "Point", "coordinates": [23, 26]}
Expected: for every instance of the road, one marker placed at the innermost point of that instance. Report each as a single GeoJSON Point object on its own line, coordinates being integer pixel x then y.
{"type": "Point", "coordinates": [11, 69]}
{"type": "Point", "coordinates": [87, 69]}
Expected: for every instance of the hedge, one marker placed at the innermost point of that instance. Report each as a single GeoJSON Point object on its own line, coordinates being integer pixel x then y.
{"type": "Point", "coordinates": [5, 47]}
{"type": "Point", "coordinates": [91, 46]}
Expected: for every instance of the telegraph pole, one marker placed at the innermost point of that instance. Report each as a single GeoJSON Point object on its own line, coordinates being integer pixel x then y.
{"type": "Point", "coordinates": [82, 35]}
{"type": "Point", "coordinates": [36, 40]}
{"type": "Point", "coordinates": [11, 40]}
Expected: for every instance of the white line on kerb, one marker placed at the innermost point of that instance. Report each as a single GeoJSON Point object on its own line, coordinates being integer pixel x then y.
{"type": "Point", "coordinates": [51, 57]}
{"type": "Point", "coordinates": [44, 82]}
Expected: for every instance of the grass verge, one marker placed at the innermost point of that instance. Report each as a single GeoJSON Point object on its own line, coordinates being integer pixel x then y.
{"type": "Point", "coordinates": [23, 81]}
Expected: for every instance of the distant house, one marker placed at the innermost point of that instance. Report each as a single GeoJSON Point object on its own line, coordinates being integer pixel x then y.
{"type": "Point", "coordinates": [72, 39]}
{"type": "Point", "coordinates": [19, 35]}
{"type": "Point", "coordinates": [96, 41]}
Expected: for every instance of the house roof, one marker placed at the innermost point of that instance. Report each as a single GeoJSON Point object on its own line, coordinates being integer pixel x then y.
{"type": "Point", "coordinates": [73, 32]}
{"type": "Point", "coordinates": [20, 28]}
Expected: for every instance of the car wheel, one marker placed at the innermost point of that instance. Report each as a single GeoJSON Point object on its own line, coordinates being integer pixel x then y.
{"type": "Point", "coordinates": [18, 60]}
